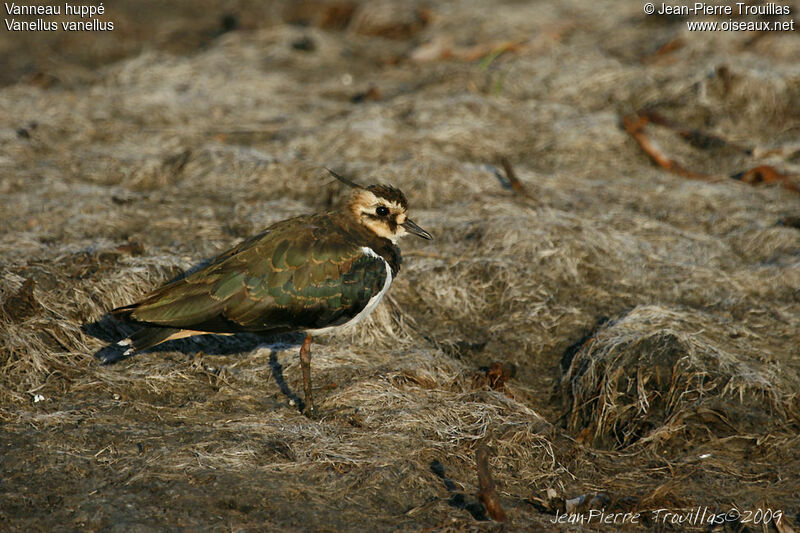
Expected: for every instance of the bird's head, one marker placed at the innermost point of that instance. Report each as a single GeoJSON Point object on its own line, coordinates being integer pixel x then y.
{"type": "Point", "coordinates": [382, 209]}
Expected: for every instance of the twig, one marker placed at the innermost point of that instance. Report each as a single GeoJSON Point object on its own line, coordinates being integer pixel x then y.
{"type": "Point", "coordinates": [766, 174]}
{"type": "Point", "coordinates": [664, 50]}
{"type": "Point", "coordinates": [634, 125]}
{"type": "Point", "coordinates": [697, 138]}
{"type": "Point", "coordinates": [486, 493]}
{"type": "Point", "coordinates": [508, 179]}
{"type": "Point", "coordinates": [512, 178]}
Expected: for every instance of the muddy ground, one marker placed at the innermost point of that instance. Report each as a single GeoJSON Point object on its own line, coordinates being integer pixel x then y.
{"type": "Point", "coordinates": [615, 209]}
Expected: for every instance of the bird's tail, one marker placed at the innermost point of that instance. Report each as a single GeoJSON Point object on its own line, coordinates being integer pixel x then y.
{"type": "Point", "coordinates": [143, 339]}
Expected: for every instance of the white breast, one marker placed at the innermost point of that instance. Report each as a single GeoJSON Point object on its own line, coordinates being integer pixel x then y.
{"type": "Point", "coordinates": [371, 304]}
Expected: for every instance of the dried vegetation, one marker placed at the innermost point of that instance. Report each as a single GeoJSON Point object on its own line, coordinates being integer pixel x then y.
{"type": "Point", "coordinates": [590, 328]}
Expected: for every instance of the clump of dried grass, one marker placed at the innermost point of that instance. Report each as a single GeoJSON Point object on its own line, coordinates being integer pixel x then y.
{"type": "Point", "coordinates": [660, 376]}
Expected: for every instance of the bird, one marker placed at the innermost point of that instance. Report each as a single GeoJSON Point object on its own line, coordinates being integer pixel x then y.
{"type": "Point", "coordinates": [312, 274]}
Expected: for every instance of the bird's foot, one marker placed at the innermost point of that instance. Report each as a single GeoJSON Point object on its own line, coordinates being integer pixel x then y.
{"type": "Point", "coordinates": [310, 411]}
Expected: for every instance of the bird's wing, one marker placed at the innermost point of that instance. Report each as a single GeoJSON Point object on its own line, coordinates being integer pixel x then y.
{"type": "Point", "coordinates": [296, 276]}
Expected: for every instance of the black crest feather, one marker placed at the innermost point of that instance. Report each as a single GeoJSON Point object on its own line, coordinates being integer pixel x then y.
{"type": "Point", "coordinates": [346, 181]}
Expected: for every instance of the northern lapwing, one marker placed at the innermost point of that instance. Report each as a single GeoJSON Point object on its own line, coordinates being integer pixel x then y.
{"type": "Point", "coordinates": [311, 274]}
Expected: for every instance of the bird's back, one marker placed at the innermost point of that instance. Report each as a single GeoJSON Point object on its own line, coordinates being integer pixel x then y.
{"type": "Point", "coordinates": [308, 272]}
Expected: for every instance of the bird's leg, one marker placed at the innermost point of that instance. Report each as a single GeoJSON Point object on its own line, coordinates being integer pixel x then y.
{"type": "Point", "coordinates": [305, 365]}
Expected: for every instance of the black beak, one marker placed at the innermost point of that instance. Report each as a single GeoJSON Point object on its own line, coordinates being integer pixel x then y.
{"type": "Point", "coordinates": [411, 227]}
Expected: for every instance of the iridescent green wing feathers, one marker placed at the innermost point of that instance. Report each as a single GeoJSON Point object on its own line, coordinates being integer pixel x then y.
{"type": "Point", "coordinates": [300, 274]}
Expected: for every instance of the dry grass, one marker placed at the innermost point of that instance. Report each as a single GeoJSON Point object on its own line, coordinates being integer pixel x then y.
{"type": "Point", "coordinates": [653, 320]}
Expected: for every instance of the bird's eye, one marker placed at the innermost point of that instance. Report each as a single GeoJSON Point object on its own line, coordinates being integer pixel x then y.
{"type": "Point", "coordinates": [382, 211]}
